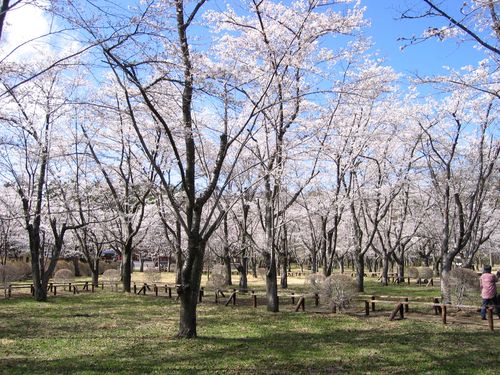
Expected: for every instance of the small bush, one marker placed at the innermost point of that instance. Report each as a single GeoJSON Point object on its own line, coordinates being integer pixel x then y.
{"type": "Point", "coordinates": [337, 290]}
{"type": "Point", "coordinates": [64, 265]}
{"type": "Point", "coordinates": [464, 284]}
{"type": "Point", "coordinates": [9, 273]}
{"type": "Point", "coordinates": [152, 276]}
{"type": "Point", "coordinates": [315, 282]}
{"type": "Point", "coordinates": [413, 272]}
{"type": "Point", "coordinates": [104, 266]}
{"type": "Point", "coordinates": [218, 278]}
{"type": "Point", "coordinates": [111, 277]}
{"type": "Point", "coordinates": [425, 273]}
{"type": "Point", "coordinates": [23, 269]}
{"type": "Point", "coordinates": [64, 275]}
{"type": "Point", "coordinates": [85, 269]}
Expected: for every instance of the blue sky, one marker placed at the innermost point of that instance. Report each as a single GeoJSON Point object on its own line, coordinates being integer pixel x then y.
{"type": "Point", "coordinates": [425, 58]}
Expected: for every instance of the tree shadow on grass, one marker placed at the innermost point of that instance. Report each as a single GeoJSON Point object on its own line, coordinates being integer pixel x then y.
{"type": "Point", "coordinates": [349, 351]}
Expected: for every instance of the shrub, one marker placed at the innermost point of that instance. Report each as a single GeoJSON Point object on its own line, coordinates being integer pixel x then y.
{"type": "Point", "coordinates": [218, 278]}
{"type": "Point", "coordinates": [413, 272]}
{"type": "Point", "coordinates": [23, 269]}
{"type": "Point", "coordinates": [85, 269]}
{"type": "Point", "coordinates": [64, 275]}
{"type": "Point", "coordinates": [315, 281]}
{"type": "Point", "coordinates": [152, 276]}
{"type": "Point", "coordinates": [111, 277]}
{"type": "Point", "coordinates": [9, 273]}
{"type": "Point", "coordinates": [104, 266]}
{"type": "Point", "coordinates": [337, 290]}
{"type": "Point", "coordinates": [64, 265]}
{"type": "Point", "coordinates": [464, 285]}
{"type": "Point", "coordinates": [425, 273]}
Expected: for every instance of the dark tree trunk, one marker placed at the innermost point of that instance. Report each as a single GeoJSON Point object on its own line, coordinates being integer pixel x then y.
{"type": "Point", "coordinates": [385, 269]}
{"type": "Point", "coordinates": [284, 273]}
{"type": "Point", "coordinates": [127, 268]}
{"type": "Point", "coordinates": [243, 271]}
{"type": "Point", "coordinates": [76, 264]}
{"type": "Point", "coordinates": [190, 287]}
{"type": "Point", "coordinates": [360, 272]}
{"type": "Point", "coordinates": [95, 277]}
{"type": "Point", "coordinates": [271, 284]}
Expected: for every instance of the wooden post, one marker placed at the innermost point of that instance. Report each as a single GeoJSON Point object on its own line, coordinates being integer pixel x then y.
{"type": "Point", "coordinates": [443, 313]}
{"type": "Point", "coordinates": [32, 288]}
{"type": "Point", "coordinates": [217, 296]}
{"type": "Point", "coordinates": [408, 281]}
{"type": "Point", "coordinates": [316, 299]}
{"type": "Point", "coordinates": [135, 289]}
{"type": "Point", "coordinates": [9, 293]}
{"type": "Point", "coordinates": [437, 308]}
{"type": "Point", "coordinates": [373, 303]}
{"type": "Point", "coordinates": [399, 308]}
{"type": "Point", "coordinates": [367, 308]}
{"type": "Point", "coordinates": [200, 296]}
{"type": "Point", "coordinates": [301, 304]}
{"type": "Point", "coordinates": [92, 287]}
{"type": "Point", "coordinates": [155, 287]}
{"type": "Point", "coordinates": [232, 298]}
{"type": "Point", "coordinates": [254, 296]}
{"type": "Point", "coordinates": [169, 292]}
{"type": "Point", "coordinates": [55, 289]}
{"type": "Point", "coordinates": [293, 298]}
{"type": "Point", "coordinates": [334, 308]}
{"type": "Point", "coordinates": [407, 305]}
{"type": "Point", "coordinates": [401, 311]}
{"type": "Point", "coordinates": [490, 318]}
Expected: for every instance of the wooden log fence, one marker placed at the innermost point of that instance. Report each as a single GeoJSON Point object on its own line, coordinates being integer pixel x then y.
{"type": "Point", "coordinates": [441, 309]}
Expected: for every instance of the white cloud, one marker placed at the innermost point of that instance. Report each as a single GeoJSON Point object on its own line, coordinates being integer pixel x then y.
{"type": "Point", "coordinates": [24, 23]}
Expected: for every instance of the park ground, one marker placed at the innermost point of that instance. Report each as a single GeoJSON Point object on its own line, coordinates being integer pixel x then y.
{"type": "Point", "coordinates": [113, 333]}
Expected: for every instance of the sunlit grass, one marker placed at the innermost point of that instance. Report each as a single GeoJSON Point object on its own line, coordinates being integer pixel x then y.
{"type": "Point", "coordinates": [113, 333]}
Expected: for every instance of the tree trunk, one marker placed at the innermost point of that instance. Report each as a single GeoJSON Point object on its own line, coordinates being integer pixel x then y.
{"type": "Point", "coordinates": [227, 266]}
{"type": "Point", "coordinates": [190, 287]}
{"type": "Point", "coordinates": [360, 272]}
{"type": "Point", "coordinates": [385, 269]}
{"type": "Point", "coordinates": [445, 280]}
{"type": "Point", "coordinates": [76, 264]}
{"type": "Point", "coordinates": [95, 277]}
{"type": "Point", "coordinates": [284, 273]}
{"type": "Point", "coordinates": [127, 268]}
{"type": "Point", "coordinates": [243, 271]}
{"type": "Point", "coordinates": [271, 284]}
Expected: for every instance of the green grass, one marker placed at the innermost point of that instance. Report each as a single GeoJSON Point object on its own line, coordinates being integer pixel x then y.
{"type": "Point", "coordinates": [134, 335]}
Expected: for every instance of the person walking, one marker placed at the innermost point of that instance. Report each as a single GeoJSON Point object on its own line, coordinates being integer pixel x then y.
{"type": "Point", "coordinates": [487, 283]}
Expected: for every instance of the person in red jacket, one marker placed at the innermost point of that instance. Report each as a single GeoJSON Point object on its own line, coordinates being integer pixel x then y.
{"type": "Point", "coordinates": [487, 283]}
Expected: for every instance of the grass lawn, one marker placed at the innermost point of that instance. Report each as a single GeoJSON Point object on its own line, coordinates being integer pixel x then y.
{"type": "Point", "coordinates": [112, 333]}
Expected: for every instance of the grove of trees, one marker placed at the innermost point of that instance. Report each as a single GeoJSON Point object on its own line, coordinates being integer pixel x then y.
{"type": "Point", "coordinates": [255, 134]}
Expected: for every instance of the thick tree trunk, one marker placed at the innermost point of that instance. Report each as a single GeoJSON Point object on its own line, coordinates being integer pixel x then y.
{"type": "Point", "coordinates": [227, 266]}
{"type": "Point", "coordinates": [284, 273]}
{"type": "Point", "coordinates": [385, 269]}
{"type": "Point", "coordinates": [445, 280]}
{"type": "Point", "coordinates": [76, 264]}
{"type": "Point", "coordinates": [271, 284]}
{"type": "Point", "coordinates": [95, 277]}
{"type": "Point", "coordinates": [190, 287]}
{"type": "Point", "coordinates": [127, 269]}
{"type": "Point", "coordinates": [360, 272]}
